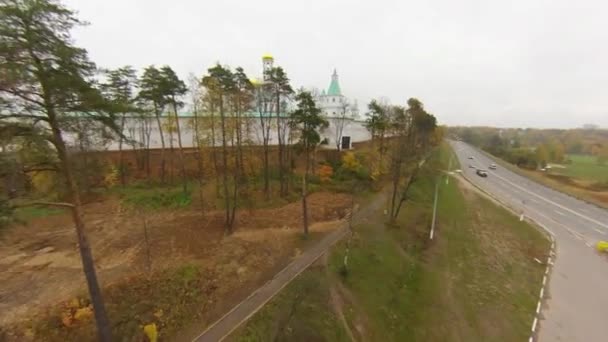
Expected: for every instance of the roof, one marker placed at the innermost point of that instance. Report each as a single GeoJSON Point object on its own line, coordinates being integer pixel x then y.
{"type": "Point", "coordinates": [267, 56]}
{"type": "Point", "coordinates": [334, 86]}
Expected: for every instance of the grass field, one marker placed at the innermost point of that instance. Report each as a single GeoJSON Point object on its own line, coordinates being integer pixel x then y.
{"type": "Point", "coordinates": [476, 281]}
{"type": "Point", "coordinates": [584, 167]}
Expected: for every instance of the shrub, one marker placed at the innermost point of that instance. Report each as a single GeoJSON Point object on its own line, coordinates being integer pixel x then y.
{"type": "Point", "coordinates": [110, 179]}
{"type": "Point", "coordinates": [157, 198]}
{"type": "Point", "coordinates": [325, 173]}
{"type": "Point", "coordinates": [350, 162]}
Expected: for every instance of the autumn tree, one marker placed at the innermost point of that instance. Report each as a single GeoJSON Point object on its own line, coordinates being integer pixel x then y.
{"type": "Point", "coordinates": [280, 89]}
{"type": "Point", "coordinates": [542, 155]}
{"type": "Point", "coordinates": [173, 89]}
{"type": "Point", "coordinates": [413, 131]}
{"type": "Point", "coordinates": [220, 84]}
{"type": "Point", "coordinates": [263, 105]}
{"type": "Point", "coordinates": [241, 100]}
{"type": "Point", "coordinates": [308, 121]}
{"type": "Point", "coordinates": [196, 103]}
{"type": "Point", "coordinates": [119, 88]}
{"type": "Point", "coordinates": [602, 155]}
{"type": "Point", "coordinates": [47, 84]}
{"type": "Point", "coordinates": [377, 123]}
{"type": "Point", "coordinates": [152, 92]}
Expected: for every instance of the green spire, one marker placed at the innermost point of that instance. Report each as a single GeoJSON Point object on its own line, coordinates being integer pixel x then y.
{"type": "Point", "coordinates": [334, 86]}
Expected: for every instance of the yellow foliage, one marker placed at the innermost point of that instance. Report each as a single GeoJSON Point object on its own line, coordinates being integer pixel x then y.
{"type": "Point", "coordinates": [73, 304]}
{"type": "Point", "coordinates": [350, 162]}
{"type": "Point", "coordinates": [151, 332]}
{"type": "Point", "coordinates": [325, 173]}
{"type": "Point", "coordinates": [76, 310]}
{"type": "Point", "coordinates": [84, 314]}
{"type": "Point", "coordinates": [43, 181]}
{"type": "Point", "coordinates": [112, 176]}
{"type": "Point", "coordinates": [375, 174]}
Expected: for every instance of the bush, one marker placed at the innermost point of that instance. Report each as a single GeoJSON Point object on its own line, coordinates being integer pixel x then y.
{"type": "Point", "coordinates": [156, 197]}
{"type": "Point", "coordinates": [325, 173]}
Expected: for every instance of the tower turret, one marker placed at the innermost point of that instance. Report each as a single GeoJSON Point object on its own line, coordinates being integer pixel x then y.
{"type": "Point", "coordinates": [267, 64]}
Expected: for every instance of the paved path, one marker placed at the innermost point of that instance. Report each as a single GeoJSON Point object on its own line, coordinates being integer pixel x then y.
{"type": "Point", "coordinates": [577, 308]}
{"type": "Point", "coordinates": [247, 308]}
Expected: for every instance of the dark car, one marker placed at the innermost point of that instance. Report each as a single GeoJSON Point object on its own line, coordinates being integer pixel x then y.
{"type": "Point", "coordinates": [482, 173]}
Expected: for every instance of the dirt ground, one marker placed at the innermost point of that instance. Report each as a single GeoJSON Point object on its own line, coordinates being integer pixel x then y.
{"type": "Point", "coordinates": [40, 264]}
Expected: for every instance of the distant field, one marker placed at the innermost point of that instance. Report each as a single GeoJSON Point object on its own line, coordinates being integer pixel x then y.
{"type": "Point", "coordinates": [583, 167]}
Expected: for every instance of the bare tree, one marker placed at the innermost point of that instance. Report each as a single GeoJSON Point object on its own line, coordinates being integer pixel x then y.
{"type": "Point", "coordinates": [341, 121]}
{"type": "Point", "coordinates": [281, 89]}
{"type": "Point", "coordinates": [263, 106]}
{"type": "Point", "coordinates": [196, 98]}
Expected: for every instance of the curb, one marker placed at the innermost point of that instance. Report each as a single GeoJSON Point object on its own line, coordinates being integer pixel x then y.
{"type": "Point", "coordinates": [549, 263]}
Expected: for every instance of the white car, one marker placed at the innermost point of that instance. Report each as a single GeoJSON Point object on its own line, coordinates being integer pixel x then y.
{"type": "Point", "coordinates": [492, 167]}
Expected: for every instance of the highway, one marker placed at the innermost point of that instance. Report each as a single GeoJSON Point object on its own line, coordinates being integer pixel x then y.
{"type": "Point", "coordinates": [577, 307]}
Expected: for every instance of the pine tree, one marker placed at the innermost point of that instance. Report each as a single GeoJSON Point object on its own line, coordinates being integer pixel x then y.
{"type": "Point", "coordinates": [46, 87]}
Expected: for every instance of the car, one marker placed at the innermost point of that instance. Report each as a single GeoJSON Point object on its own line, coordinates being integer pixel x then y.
{"type": "Point", "coordinates": [492, 167]}
{"type": "Point", "coordinates": [471, 157]}
{"type": "Point", "coordinates": [481, 173]}
{"type": "Point", "coordinates": [471, 166]}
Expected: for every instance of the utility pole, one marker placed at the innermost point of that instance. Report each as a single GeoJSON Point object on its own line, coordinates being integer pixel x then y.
{"type": "Point", "coordinates": [447, 177]}
{"type": "Point", "coordinates": [434, 209]}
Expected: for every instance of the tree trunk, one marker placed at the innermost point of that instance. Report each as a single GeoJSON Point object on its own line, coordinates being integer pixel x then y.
{"type": "Point", "coordinates": [162, 143]}
{"type": "Point", "coordinates": [121, 161]}
{"type": "Point", "coordinates": [283, 191]}
{"type": "Point", "coordinates": [214, 156]}
{"type": "Point", "coordinates": [199, 162]}
{"type": "Point", "coordinates": [103, 324]}
{"type": "Point", "coordinates": [265, 141]}
{"type": "Point", "coordinates": [304, 195]}
{"type": "Point", "coordinates": [181, 149]}
{"type": "Point", "coordinates": [227, 224]}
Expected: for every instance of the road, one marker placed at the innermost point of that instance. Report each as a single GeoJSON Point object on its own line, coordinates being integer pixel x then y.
{"type": "Point", "coordinates": [577, 307]}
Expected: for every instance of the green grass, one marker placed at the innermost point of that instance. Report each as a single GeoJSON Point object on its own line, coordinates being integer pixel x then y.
{"type": "Point", "coordinates": [28, 213]}
{"type": "Point", "coordinates": [584, 167]}
{"type": "Point", "coordinates": [148, 196]}
{"type": "Point", "coordinates": [301, 312]}
{"type": "Point", "coordinates": [476, 281]}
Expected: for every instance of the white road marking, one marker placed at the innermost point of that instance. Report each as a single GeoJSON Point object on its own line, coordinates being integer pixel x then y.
{"type": "Point", "coordinates": [559, 212]}
{"type": "Point", "coordinates": [577, 235]}
{"type": "Point", "coordinates": [599, 231]}
{"type": "Point", "coordinates": [555, 204]}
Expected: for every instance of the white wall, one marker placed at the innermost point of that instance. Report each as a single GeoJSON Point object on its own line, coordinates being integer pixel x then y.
{"type": "Point", "coordinates": [354, 129]}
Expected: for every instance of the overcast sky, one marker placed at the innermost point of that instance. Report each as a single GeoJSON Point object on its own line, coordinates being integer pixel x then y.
{"type": "Point", "coordinates": [515, 63]}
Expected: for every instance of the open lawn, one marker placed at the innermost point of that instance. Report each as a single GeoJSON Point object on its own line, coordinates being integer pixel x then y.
{"type": "Point", "coordinates": [476, 281]}
{"type": "Point", "coordinates": [584, 167]}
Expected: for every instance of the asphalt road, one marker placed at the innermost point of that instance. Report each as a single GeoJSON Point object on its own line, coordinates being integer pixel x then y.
{"type": "Point", "coordinates": [577, 308]}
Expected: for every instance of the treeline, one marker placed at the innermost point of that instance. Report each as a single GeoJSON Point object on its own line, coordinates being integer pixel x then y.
{"type": "Point", "coordinates": [535, 148]}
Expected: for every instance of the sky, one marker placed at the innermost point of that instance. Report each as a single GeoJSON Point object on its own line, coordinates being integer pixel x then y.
{"type": "Point", "coordinates": [516, 63]}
